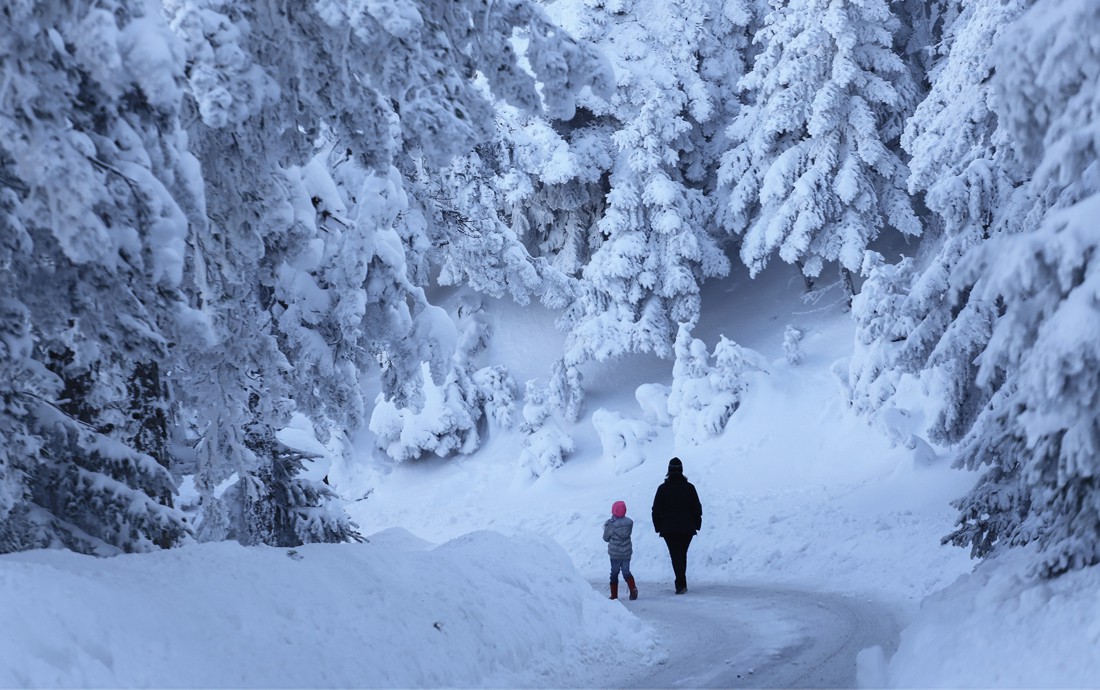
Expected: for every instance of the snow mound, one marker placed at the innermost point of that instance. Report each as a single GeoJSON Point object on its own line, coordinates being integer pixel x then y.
{"type": "Point", "coordinates": [482, 609]}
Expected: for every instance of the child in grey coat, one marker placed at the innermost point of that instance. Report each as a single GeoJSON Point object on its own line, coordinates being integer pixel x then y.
{"type": "Point", "coordinates": [616, 532]}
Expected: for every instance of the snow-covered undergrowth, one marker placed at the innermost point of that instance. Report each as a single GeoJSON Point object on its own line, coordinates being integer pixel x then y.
{"type": "Point", "coordinates": [482, 610]}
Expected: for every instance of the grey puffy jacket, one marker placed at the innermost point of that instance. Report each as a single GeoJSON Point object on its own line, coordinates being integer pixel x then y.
{"type": "Point", "coordinates": [616, 532]}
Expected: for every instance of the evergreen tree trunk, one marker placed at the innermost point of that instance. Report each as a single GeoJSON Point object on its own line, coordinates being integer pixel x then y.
{"type": "Point", "coordinates": [260, 516]}
{"type": "Point", "coordinates": [849, 286]}
{"type": "Point", "coordinates": [148, 412]}
{"type": "Point", "coordinates": [148, 409]}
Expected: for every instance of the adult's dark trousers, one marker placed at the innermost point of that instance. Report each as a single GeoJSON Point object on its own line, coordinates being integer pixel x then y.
{"type": "Point", "coordinates": [678, 551]}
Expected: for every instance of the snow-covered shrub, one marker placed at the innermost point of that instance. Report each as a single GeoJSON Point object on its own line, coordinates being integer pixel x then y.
{"type": "Point", "coordinates": [623, 438]}
{"type": "Point", "coordinates": [703, 398]}
{"type": "Point", "coordinates": [653, 399]}
{"type": "Point", "coordinates": [792, 344]}
{"type": "Point", "coordinates": [278, 507]}
{"type": "Point", "coordinates": [566, 391]}
{"type": "Point", "coordinates": [443, 425]}
{"type": "Point", "coordinates": [447, 423]}
{"type": "Point", "coordinates": [545, 444]}
{"type": "Point", "coordinates": [496, 395]}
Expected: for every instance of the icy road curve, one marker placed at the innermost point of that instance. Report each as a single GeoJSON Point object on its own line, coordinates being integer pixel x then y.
{"type": "Point", "coordinates": [758, 636]}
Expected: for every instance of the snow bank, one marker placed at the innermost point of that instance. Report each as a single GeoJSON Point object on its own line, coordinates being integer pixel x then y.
{"type": "Point", "coordinates": [482, 609]}
{"type": "Point", "coordinates": [998, 627]}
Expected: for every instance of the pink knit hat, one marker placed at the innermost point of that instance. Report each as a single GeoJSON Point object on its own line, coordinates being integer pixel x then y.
{"type": "Point", "coordinates": [618, 509]}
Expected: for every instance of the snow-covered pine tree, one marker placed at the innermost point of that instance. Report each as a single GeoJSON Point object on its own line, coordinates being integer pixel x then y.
{"type": "Point", "coordinates": [966, 170]}
{"type": "Point", "coordinates": [345, 302]}
{"type": "Point", "coordinates": [23, 382]}
{"type": "Point", "coordinates": [517, 216]}
{"type": "Point", "coordinates": [466, 204]}
{"type": "Point", "coordinates": [550, 178]}
{"type": "Point", "coordinates": [813, 171]}
{"type": "Point", "coordinates": [265, 84]}
{"type": "Point", "coordinates": [552, 183]}
{"type": "Point", "coordinates": [471, 242]}
{"type": "Point", "coordinates": [240, 389]}
{"type": "Point", "coordinates": [96, 191]}
{"type": "Point", "coordinates": [924, 31]}
{"type": "Point", "coordinates": [726, 52]}
{"type": "Point", "coordinates": [1039, 435]}
{"type": "Point", "coordinates": [545, 443]}
{"type": "Point", "coordinates": [260, 255]}
{"type": "Point", "coordinates": [457, 188]}
{"type": "Point", "coordinates": [513, 217]}
{"type": "Point", "coordinates": [881, 328]}
{"type": "Point", "coordinates": [656, 243]}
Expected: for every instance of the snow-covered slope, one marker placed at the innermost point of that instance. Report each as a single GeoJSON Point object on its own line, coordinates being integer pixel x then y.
{"type": "Point", "coordinates": [999, 627]}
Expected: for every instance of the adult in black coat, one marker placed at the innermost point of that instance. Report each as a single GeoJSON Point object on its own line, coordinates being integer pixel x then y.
{"type": "Point", "coordinates": [677, 516]}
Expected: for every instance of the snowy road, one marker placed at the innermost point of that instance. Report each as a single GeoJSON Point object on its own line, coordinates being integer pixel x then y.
{"type": "Point", "coordinates": [752, 636]}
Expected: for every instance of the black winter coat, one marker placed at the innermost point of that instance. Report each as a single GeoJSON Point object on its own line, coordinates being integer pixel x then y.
{"type": "Point", "coordinates": [676, 507]}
